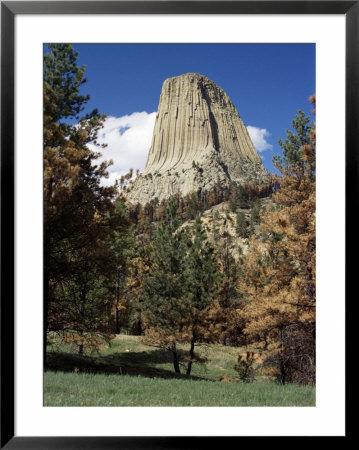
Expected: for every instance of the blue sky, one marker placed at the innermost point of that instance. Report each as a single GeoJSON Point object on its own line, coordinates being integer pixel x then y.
{"type": "Point", "coordinates": [268, 84]}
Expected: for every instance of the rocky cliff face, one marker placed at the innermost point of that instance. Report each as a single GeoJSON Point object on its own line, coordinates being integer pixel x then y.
{"type": "Point", "coordinates": [198, 140]}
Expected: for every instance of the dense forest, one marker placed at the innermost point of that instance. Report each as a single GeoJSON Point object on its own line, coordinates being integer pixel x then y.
{"type": "Point", "coordinates": [233, 266]}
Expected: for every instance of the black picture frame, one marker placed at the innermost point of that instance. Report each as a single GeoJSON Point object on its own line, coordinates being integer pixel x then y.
{"type": "Point", "coordinates": [9, 9]}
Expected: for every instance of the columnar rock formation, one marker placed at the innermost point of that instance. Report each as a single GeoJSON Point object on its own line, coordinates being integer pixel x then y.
{"type": "Point", "coordinates": [198, 140]}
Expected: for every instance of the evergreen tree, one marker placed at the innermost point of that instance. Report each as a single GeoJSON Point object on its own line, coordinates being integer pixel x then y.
{"type": "Point", "coordinates": [225, 324]}
{"type": "Point", "coordinates": [278, 282]}
{"type": "Point", "coordinates": [138, 270]}
{"type": "Point", "coordinates": [251, 229]}
{"type": "Point", "coordinates": [234, 197]}
{"type": "Point", "coordinates": [201, 280]}
{"type": "Point", "coordinates": [295, 140]}
{"type": "Point", "coordinates": [179, 287]}
{"type": "Point", "coordinates": [255, 212]}
{"type": "Point", "coordinates": [242, 197]}
{"type": "Point", "coordinates": [193, 206]}
{"type": "Point", "coordinates": [215, 229]}
{"type": "Point", "coordinates": [76, 205]}
{"type": "Point", "coordinates": [122, 246]}
{"type": "Point", "coordinates": [82, 308]}
{"type": "Point", "coordinates": [241, 227]}
{"type": "Point", "coordinates": [164, 286]}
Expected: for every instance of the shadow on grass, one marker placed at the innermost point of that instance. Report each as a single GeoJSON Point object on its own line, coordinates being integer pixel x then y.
{"type": "Point", "coordinates": [147, 358]}
{"type": "Point", "coordinates": [136, 364]}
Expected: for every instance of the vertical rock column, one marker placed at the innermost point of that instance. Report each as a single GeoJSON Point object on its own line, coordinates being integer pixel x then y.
{"type": "Point", "coordinates": [195, 116]}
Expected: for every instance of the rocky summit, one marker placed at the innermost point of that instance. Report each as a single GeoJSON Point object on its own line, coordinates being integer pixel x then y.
{"type": "Point", "coordinates": [199, 139]}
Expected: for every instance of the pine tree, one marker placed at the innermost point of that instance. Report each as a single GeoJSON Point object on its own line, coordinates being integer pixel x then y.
{"type": "Point", "coordinates": [193, 206]}
{"type": "Point", "coordinates": [164, 286]}
{"type": "Point", "coordinates": [138, 271]}
{"type": "Point", "coordinates": [178, 287]}
{"type": "Point", "coordinates": [201, 285]}
{"type": "Point", "coordinates": [255, 212]}
{"type": "Point", "coordinates": [122, 247]}
{"type": "Point", "coordinates": [295, 140]}
{"type": "Point", "coordinates": [76, 205]}
{"type": "Point", "coordinates": [278, 285]}
{"type": "Point", "coordinates": [241, 226]}
{"type": "Point", "coordinates": [82, 307]}
{"type": "Point", "coordinates": [225, 324]}
{"type": "Point", "coordinates": [233, 197]}
{"type": "Point", "coordinates": [242, 197]}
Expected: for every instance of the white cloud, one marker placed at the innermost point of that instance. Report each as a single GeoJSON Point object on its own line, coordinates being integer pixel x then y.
{"type": "Point", "coordinates": [259, 138]}
{"type": "Point", "coordinates": [128, 140]}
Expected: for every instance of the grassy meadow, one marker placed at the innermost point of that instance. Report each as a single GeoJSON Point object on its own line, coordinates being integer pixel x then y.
{"type": "Point", "coordinates": [129, 373]}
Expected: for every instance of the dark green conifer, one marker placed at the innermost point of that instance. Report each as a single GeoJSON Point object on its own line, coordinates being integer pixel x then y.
{"type": "Point", "coordinates": [165, 285]}
{"type": "Point", "coordinates": [201, 278]}
{"type": "Point", "coordinates": [76, 205]}
{"type": "Point", "coordinates": [294, 141]}
{"type": "Point", "coordinates": [241, 227]}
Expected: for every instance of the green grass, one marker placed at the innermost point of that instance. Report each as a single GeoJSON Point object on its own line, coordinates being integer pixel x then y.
{"type": "Point", "coordinates": [83, 389]}
{"type": "Point", "coordinates": [129, 373]}
{"type": "Point", "coordinates": [127, 350]}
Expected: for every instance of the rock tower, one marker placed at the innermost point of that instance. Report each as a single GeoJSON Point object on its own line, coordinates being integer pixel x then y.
{"type": "Point", "coordinates": [198, 140]}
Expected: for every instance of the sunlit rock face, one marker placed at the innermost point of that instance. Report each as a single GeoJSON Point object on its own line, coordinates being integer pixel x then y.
{"type": "Point", "coordinates": [199, 139]}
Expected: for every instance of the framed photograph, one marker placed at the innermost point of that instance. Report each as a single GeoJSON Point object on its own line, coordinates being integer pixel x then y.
{"type": "Point", "coordinates": [193, 291]}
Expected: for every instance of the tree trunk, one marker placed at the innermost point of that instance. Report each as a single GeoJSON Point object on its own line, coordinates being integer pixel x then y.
{"type": "Point", "coordinates": [82, 315]}
{"type": "Point", "coordinates": [47, 271]}
{"type": "Point", "coordinates": [281, 362]}
{"type": "Point", "coordinates": [139, 326]}
{"type": "Point", "coordinates": [282, 372]}
{"type": "Point", "coordinates": [46, 299]}
{"type": "Point", "coordinates": [117, 315]}
{"type": "Point", "coordinates": [118, 328]}
{"type": "Point", "coordinates": [191, 355]}
{"type": "Point", "coordinates": [175, 358]}
{"type": "Point", "coordinates": [314, 345]}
